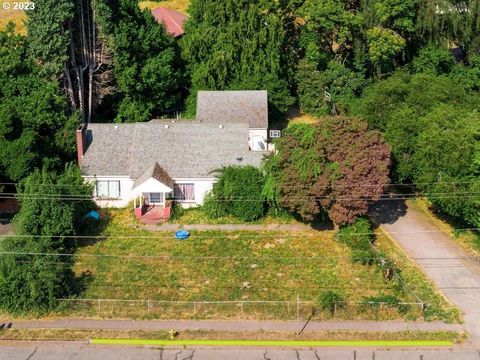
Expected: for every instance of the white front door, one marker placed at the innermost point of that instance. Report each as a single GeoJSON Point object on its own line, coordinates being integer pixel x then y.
{"type": "Point", "coordinates": [156, 198]}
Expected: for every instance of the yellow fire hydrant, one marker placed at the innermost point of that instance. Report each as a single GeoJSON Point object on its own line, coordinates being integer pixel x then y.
{"type": "Point", "coordinates": [172, 334]}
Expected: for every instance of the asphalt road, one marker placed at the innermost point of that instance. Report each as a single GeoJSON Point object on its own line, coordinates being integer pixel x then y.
{"type": "Point", "coordinates": [83, 351]}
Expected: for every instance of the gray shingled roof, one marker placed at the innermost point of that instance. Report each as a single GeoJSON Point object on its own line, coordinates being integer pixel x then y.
{"type": "Point", "coordinates": [190, 150]}
{"type": "Point", "coordinates": [156, 172]}
{"type": "Point", "coordinates": [233, 107]}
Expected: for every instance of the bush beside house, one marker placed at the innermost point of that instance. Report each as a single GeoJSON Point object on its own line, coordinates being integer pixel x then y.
{"type": "Point", "coordinates": [238, 192]}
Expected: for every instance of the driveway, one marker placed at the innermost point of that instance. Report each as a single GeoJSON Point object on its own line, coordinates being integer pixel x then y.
{"type": "Point", "coordinates": [452, 269]}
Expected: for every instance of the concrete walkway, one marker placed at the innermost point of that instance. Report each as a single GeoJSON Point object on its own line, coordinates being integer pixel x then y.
{"type": "Point", "coordinates": [229, 227]}
{"type": "Point", "coordinates": [232, 325]}
{"type": "Point", "coordinates": [453, 270]}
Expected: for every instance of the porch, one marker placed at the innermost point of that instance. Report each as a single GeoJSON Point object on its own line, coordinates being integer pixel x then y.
{"type": "Point", "coordinates": [151, 196]}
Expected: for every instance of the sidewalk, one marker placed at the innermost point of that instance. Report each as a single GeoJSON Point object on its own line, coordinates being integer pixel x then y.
{"type": "Point", "coordinates": [233, 325]}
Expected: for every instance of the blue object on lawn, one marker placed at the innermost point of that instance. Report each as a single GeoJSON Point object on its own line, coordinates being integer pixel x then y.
{"type": "Point", "coordinates": [93, 215]}
{"type": "Point", "coordinates": [182, 235]}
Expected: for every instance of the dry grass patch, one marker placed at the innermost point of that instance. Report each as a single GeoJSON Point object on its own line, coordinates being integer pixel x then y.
{"type": "Point", "coordinates": [16, 16]}
{"type": "Point", "coordinates": [178, 5]}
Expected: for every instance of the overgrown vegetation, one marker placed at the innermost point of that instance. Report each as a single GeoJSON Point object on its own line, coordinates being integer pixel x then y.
{"type": "Point", "coordinates": [238, 192]}
{"type": "Point", "coordinates": [30, 280]}
{"type": "Point", "coordinates": [323, 168]}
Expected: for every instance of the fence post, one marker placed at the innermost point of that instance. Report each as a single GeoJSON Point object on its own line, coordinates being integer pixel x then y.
{"type": "Point", "coordinates": [148, 306]}
{"type": "Point", "coordinates": [194, 306]}
{"type": "Point", "coordinates": [298, 307]}
{"type": "Point", "coordinates": [98, 303]}
{"type": "Point", "coordinates": [241, 306]}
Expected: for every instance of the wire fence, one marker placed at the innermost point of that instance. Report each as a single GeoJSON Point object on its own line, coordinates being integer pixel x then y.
{"type": "Point", "coordinates": [273, 309]}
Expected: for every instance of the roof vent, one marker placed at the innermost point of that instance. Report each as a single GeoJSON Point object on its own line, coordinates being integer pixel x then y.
{"type": "Point", "coordinates": [239, 159]}
{"type": "Point", "coordinates": [220, 127]}
{"type": "Point", "coordinates": [166, 126]}
{"type": "Point", "coordinates": [116, 127]}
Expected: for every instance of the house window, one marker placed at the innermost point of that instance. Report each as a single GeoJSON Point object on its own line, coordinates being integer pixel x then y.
{"type": "Point", "coordinates": [156, 198]}
{"type": "Point", "coordinates": [108, 189]}
{"type": "Point", "coordinates": [184, 192]}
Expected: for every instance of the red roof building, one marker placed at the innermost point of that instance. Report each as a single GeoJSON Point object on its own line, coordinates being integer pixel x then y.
{"type": "Point", "coordinates": [173, 20]}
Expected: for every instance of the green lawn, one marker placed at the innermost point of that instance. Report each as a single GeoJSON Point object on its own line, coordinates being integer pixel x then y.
{"type": "Point", "coordinates": [235, 266]}
{"type": "Point", "coordinates": [85, 335]}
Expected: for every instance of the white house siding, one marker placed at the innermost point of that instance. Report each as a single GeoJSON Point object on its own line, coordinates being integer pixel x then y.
{"type": "Point", "coordinates": [202, 186]}
{"type": "Point", "coordinates": [126, 185]}
{"type": "Point", "coordinates": [253, 133]}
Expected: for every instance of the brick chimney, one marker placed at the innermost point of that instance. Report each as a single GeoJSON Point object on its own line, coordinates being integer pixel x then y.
{"type": "Point", "coordinates": [81, 142]}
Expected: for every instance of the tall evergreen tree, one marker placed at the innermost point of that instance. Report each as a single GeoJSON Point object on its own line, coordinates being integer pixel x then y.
{"type": "Point", "coordinates": [33, 112]}
{"type": "Point", "coordinates": [237, 44]}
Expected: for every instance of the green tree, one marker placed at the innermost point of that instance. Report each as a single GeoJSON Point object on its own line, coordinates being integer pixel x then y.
{"type": "Point", "coordinates": [52, 209]}
{"type": "Point", "coordinates": [342, 83]}
{"type": "Point", "coordinates": [238, 192]}
{"type": "Point", "coordinates": [237, 44]}
{"type": "Point", "coordinates": [323, 168]}
{"type": "Point", "coordinates": [384, 46]}
{"type": "Point", "coordinates": [447, 161]}
{"type": "Point", "coordinates": [49, 35]}
{"type": "Point", "coordinates": [33, 113]}
{"type": "Point", "coordinates": [433, 60]}
{"type": "Point", "coordinates": [147, 66]}
{"type": "Point", "coordinates": [421, 92]}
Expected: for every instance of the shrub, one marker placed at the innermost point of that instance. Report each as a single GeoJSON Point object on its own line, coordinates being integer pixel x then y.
{"type": "Point", "coordinates": [364, 257]}
{"type": "Point", "coordinates": [358, 236]}
{"type": "Point", "coordinates": [31, 284]}
{"type": "Point", "coordinates": [330, 301]}
{"type": "Point", "coordinates": [177, 211]}
{"type": "Point", "coordinates": [238, 192]}
{"type": "Point", "coordinates": [434, 60]}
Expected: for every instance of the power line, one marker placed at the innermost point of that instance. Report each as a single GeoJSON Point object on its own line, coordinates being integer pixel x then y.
{"type": "Point", "coordinates": [384, 197]}
{"type": "Point", "coordinates": [196, 257]}
{"type": "Point", "coordinates": [273, 234]}
{"type": "Point", "coordinates": [353, 185]}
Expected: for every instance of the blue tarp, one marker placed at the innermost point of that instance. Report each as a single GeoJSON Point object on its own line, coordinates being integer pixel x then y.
{"type": "Point", "coordinates": [182, 234]}
{"type": "Point", "coordinates": [93, 215]}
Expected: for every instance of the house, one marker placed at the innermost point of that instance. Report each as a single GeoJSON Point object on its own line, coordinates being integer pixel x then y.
{"type": "Point", "coordinates": [232, 107]}
{"type": "Point", "coordinates": [171, 19]}
{"type": "Point", "coordinates": [150, 163]}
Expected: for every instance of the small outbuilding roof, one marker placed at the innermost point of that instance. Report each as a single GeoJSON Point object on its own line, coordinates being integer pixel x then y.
{"type": "Point", "coordinates": [182, 150]}
{"type": "Point", "coordinates": [233, 107]}
{"type": "Point", "coordinates": [173, 20]}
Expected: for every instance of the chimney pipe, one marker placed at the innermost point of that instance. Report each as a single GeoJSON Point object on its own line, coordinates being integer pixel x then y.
{"type": "Point", "coordinates": [81, 142]}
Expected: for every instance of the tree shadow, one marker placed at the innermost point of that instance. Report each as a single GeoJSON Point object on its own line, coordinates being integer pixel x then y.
{"type": "Point", "coordinates": [82, 282]}
{"type": "Point", "coordinates": [387, 210]}
{"type": "Point", "coordinates": [92, 230]}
